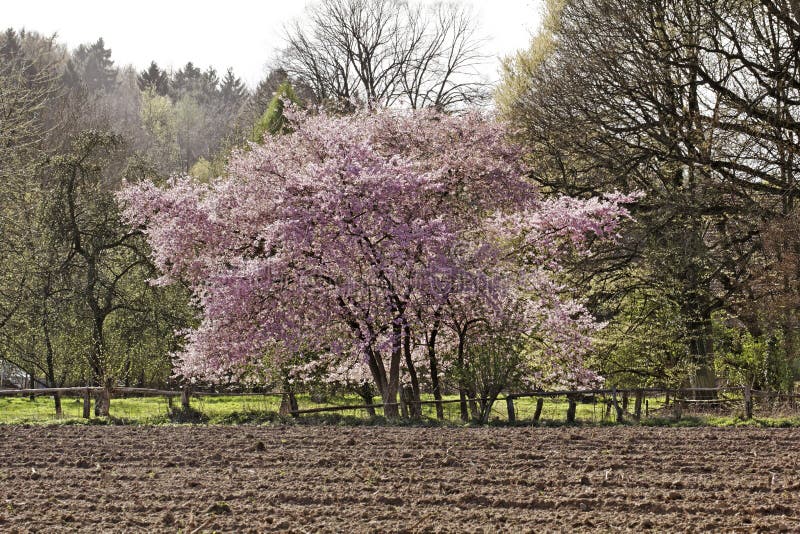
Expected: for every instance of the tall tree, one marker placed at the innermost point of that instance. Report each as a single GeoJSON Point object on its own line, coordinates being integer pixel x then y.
{"type": "Point", "coordinates": [64, 253]}
{"type": "Point", "coordinates": [345, 235]}
{"type": "Point", "coordinates": [111, 260]}
{"type": "Point", "coordinates": [155, 78]}
{"type": "Point", "coordinates": [27, 86]}
{"type": "Point", "coordinates": [232, 91]}
{"type": "Point", "coordinates": [185, 79]}
{"type": "Point", "coordinates": [688, 102]}
{"type": "Point", "coordinates": [386, 53]}
{"type": "Point", "coordinates": [91, 66]}
{"type": "Point", "coordinates": [273, 121]}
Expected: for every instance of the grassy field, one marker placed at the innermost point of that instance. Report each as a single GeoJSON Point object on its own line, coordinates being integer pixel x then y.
{"type": "Point", "coordinates": [255, 408]}
{"type": "Point", "coordinates": [145, 410]}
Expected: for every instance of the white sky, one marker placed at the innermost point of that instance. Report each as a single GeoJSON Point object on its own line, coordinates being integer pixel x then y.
{"type": "Point", "coordinates": [229, 33]}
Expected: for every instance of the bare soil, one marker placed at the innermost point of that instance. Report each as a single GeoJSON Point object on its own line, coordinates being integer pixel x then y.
{"type": "Point", "coordinates": [384, 479]}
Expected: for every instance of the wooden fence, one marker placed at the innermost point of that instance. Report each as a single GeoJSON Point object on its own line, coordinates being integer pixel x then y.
{"type": "Point", "coordinates": [616, 398]}
{"type": "Point", "coordinates": [682, 397]}
{"type": "Point", "coordinates": [86, 393]}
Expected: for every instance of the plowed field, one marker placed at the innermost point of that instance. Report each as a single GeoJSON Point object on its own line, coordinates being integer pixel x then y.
{"type": "Point", "coordinates": [379, 479]}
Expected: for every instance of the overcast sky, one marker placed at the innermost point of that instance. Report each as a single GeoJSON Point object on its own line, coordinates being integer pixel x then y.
{"type": "Point", "coordinates": [236, 33]}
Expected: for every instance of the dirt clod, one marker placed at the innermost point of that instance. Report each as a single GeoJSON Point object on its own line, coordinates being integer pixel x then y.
{"type": "Point", "coordinates": [220, 508]}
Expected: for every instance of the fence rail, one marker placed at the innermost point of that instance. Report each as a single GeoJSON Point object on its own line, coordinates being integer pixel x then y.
{"type": "Point", "coordinates": [90, 389]}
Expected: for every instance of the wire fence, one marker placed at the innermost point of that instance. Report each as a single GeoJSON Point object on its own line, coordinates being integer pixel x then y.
{"type": "Point", "coordinates": [149, 406]}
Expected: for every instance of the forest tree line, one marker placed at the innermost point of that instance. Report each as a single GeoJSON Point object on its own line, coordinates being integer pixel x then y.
{"type": "Point", "coordinates": [691, 104]}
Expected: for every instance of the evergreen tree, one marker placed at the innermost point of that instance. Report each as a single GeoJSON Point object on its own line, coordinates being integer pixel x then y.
{"type": "Point", "coordinates": [184, 80]}
{"type": "Point", "coordinates": [207, 91]}
{"type": "Point", "coordinates": [154, 77]}
{"type": "Point", "coordinates": [91, 67]}
{"type": "Point", "coordinates": [10, 46]}
{"type": "Point", "coordinates": [266, 89]}
{"type": "Point", "coordinates": [232, 90]}
{"type": "Point", "coordinates": [273, 121]}
{"type": "Point", "coordinates": [203, 86]}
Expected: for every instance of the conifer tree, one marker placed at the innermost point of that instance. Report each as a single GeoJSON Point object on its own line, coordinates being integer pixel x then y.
{"type": "Point", "coordinates": [273, 121]}
{"type": "Point", "coordinates": [154, 77]}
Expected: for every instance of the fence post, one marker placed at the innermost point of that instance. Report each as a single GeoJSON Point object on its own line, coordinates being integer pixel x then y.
{"type": "Point", "coordinates": [538, 413]}
{"type": "Point", "coordinates": [87, 408]}
{"type": "Point", "coordinates": [616, 404]}
{"type": "Point", "coordinates": [512, 417]}
{"type": "Point", "coordinates": [185, 398]}
{"type": "Point", "coordinates": [637, 405]}
{"type": "Point", "coordinates": [571, 409]}
{"type": "Point", "coordinates": [677, 406]}
{"type": "Point", "coordinates": [748, 402]}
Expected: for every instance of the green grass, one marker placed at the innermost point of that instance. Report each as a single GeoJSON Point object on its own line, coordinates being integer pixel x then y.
{"type": "Point", "coordinates": [263, 409]}
{"type": "Point", "coordinates": [155, 410]}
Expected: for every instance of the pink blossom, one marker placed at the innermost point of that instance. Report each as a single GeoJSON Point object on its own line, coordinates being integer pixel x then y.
{"type": "Point", "coordinates": [332, 238]}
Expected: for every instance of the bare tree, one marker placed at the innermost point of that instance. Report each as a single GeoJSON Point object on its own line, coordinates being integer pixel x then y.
{"type": "Point", "coordinates": [387, 53]}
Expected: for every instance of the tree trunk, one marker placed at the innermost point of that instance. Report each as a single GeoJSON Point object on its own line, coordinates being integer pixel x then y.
{"type": "Point", "coordinates": [288, 400]}
{"type": "Point", "coordinates": [571, 407]}
{"type": "Point", "coordinates": [462, 395]}
{"type": "Point", "coordinates": [486, 407]}
{"type": "Point", "coordinates": [365, 392]}
{"type": "Point", "coordinates": [434, 364]}
{"type": "Point", "coordinates": [407, 401]}
{"type": "Point", "coordinates": [386, 387]}
{"type": "Point", "coordinates": [102, 405]}
{"type": "Point", "coordinates": [677, 408]}
{"type": "Point", "coordinates": [186, 392]}
{"type": "Point", "coordinates": [50, 357]}
{"type": "Point", "coordinates": [390, 404]}
{"type": "Point", "coordinates": [474, 412]}
{"type": "Point", "coordinates": [87, 404]}
{"type": "Point", "coordinates": [637, 405]}
{"type": "Point", "coordinates": [617, 407]}
{"type": "Point", "coordinates": [700, 341]}
{"type": "Point", "coordinates": [538, 412]}
{"type": "Point", "coordinates": [512, 415]}
{"type": "Point", "coordinates": [463, 391]}
{"type": "Point", "coordinates": [126, 371]}
{"type": "Point", "coordinates": [57, 404]}
{"type": "Point", "coordinates": [414, 406]}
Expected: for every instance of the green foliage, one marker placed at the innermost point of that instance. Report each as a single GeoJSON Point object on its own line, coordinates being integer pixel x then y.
{"type": "Point", "coordinates": [757, 360]}
{"type": "Point", "coordinates": [75, 302]}
{"type": "Point", "coordinates": [160, 124]}
{"type": "Point", "coordinates": [205, 171]}
{"type": "Point", "coordinates": [232, 91]}
{"type": "Point", "coordinates": [154, 78]}
{"type": "Point", "coordinates": [490, 366]}
{"type": "Point", "coordinates": [516, 69]}
{"type": "Point", "coordinates": [643, 344]}
{"type": "Point", "coordinates": [273, 121]}
{"type": "Point", "coordinates": [91, 67]}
